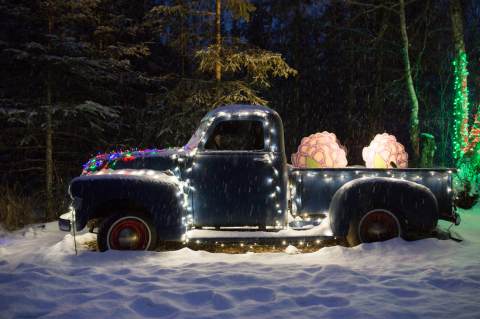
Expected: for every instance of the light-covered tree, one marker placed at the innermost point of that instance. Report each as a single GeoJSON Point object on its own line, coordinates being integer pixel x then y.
{"type": "Point", "coordinates": [466, 136]}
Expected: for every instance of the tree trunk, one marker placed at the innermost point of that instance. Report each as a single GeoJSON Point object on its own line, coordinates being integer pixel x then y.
{"type": "Point", "coordinates": [218, 38]}
{"type": "Point", "coordinates": [183, 39]}
{"type": "Point", "coordinates": [414, 123]}
{"type": "Point", "coordinates": [456, 16]}
{"type": "Point", "coordinates": [461, 108]}
{"type": "Point", "coordinates": [428, 150]}
{"type": "Point", "coordinates": [376, 111]}
{"type": "Point", "coordinates": [48, 140]}
{"type": "Point", "coordinates": [49, 152]}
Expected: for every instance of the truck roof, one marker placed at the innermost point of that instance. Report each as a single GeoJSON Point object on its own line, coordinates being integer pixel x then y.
{"type": "Point", "coordinates": [238, 108]}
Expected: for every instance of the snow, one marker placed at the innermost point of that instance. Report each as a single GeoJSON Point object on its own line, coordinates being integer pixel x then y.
{"type": "Point", "coordinates": [145, 173]}
{"type": "Point", "coordinates": [40, 276]}
{"type": "Point", "coordinates": [291, 250]}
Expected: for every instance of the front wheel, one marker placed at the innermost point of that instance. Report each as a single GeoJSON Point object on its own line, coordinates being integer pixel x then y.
{"type": "Point", "coordinates": [375, 225]}
{"type": "Point", "coordinates": [127, 231]}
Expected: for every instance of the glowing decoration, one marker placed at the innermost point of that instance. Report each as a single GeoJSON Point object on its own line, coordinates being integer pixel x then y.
{"type": "Point", "coordinates": [465, 140]}
{"type": "Point", "coordinates": [108, 160]}
{"type": "Point", "coordinates": [460, 106]}
{"type": "Point", "coordinates": [474, 134]}
{"type": "Point", "coordinates": [320, 150]}
{"type": "Point", "coordinates": [383, 151]}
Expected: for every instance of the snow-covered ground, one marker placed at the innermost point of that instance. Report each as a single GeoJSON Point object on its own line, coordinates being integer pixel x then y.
{"type": "Point", "coordinates": [40, 277]}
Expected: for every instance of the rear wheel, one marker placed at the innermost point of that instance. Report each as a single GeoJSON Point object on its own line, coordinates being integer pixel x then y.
{"type": "Point", "coordinates": [127, 231]}
{"type": "Point", "coordinates": [375, 225]}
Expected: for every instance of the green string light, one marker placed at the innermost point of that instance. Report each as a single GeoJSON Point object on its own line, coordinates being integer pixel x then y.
{"type": "Point", "coordinates": [466, 147]}
{"type": "Point", "coordinates": [460, 106]}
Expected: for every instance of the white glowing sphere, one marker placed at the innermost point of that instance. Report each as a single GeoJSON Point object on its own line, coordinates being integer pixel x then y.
{"type": "Point", "coordinates": [320, 150]}
{"type": "Point", "coordinates": [383, 151]}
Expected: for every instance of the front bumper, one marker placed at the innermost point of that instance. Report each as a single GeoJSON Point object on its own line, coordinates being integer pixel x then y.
{"type": "Point", "coordinates": [65, 221]}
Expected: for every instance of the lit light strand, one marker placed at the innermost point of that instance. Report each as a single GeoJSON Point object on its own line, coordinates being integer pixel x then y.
{"type": "Point", "coordinates": [460, 106]}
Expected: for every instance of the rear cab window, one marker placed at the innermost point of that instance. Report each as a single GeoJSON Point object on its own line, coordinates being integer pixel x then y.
{"type": "Point", "coordinates": [237, 135]}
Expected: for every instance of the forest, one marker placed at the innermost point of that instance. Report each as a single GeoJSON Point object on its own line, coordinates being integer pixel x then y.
{"type": "Point", "coordinates": [83, 77]}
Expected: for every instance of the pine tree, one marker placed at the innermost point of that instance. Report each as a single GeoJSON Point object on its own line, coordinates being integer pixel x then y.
{"type": "Point", "coordinates": [245, 69]}
{"type": "Point", "coordinates": [224, 69]}
{"type": "Point", "coordinates": [56, 53]}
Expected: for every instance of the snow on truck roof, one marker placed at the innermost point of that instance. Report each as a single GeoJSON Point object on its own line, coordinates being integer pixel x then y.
{"type": "Point", "coordinates": [240, 108]}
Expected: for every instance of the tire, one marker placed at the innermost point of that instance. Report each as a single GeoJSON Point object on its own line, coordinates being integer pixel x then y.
{"type": "Point", "coordinates": [373, 226]}
{"type": "Point", "coordinates": [127, 231]}
{"type": "Point", "coordinates": [466, 201]}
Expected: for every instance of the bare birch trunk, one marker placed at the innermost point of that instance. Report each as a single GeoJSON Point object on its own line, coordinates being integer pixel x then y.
{"type": "Point", "coordinates": [414, 123]}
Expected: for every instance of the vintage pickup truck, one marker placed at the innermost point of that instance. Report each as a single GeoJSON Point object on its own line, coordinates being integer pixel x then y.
{"type": "Point", "coordinates": [231, 184]}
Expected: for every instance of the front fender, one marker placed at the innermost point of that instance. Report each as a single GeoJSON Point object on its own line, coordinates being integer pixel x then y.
{"type": "Point", "coordinates": [157, 195]}
{"type": "Point", "coordinates": [414, 204]}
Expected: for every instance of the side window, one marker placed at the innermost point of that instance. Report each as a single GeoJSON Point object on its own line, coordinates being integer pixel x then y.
{"type": "Point", "coordinates": [236, 136]}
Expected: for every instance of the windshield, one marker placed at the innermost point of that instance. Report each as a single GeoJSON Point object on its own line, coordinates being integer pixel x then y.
{"type": "Point", "coordinates": [197, 136]}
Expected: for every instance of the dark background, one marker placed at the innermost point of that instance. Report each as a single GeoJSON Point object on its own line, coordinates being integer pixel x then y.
{"type": "Point", "coordinates": [117, 75]}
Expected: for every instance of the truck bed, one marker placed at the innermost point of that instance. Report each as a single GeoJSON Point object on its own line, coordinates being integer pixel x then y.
{"type": "Point", "coordinates": [313, 189]}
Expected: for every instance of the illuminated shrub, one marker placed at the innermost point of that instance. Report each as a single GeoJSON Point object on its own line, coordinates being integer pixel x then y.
{"type": "Point", "coordinates": [320, 150]}
{"type": "Point", "coordinates": [383, 151]}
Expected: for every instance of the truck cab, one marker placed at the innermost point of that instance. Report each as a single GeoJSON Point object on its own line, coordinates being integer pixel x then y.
{"type": "Point", "coordinates": [238, 172]}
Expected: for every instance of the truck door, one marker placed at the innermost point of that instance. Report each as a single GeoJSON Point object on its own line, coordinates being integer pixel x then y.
{"type": "Point", "coordinates": [232, 177]}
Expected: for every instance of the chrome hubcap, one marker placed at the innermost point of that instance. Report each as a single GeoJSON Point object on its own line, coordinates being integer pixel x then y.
{"type": "Point", "coordinates": [128, 238]}
{"type": "Point", "coordinates": [378, 225]}
{"type": "Point", "coordinates": [129, 233]}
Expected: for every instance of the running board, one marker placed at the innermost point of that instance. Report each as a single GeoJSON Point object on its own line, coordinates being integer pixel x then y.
{"type": "Point", "coordinates": [269, 241]}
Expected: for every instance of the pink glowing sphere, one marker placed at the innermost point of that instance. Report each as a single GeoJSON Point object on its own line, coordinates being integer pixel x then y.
{"type": "Point", "coordinates": [383, 151]}
{"type": "Point", "coordinates": [320, 150]}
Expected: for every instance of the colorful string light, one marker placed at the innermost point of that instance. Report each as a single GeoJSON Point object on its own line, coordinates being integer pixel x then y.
{"type": "Point", "coordinates": [109, 160]}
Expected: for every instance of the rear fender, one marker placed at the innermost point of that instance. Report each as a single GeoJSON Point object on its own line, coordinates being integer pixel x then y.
{"type": "Point", "coordinates": [96, 196]}
{"type": "Point", "coordinates": [414, 205]}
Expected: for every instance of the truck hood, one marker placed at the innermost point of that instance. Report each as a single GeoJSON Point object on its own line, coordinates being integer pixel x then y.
{"type": "Point", "coordinates": [155, 159]}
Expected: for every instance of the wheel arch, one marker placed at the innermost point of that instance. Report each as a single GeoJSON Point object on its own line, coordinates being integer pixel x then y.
{"type": "Point", "coordinates": [105, 194]}
{"type": "Point", "coordinates": [413, 204]}
{"type": "Point", "coordinates": [107, 207]}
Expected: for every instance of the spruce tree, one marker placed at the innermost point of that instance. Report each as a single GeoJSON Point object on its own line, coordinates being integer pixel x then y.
{"type": "Point", "coordinates": [224, 69]}
{"type": "Point", "coordinates": [54, 54]}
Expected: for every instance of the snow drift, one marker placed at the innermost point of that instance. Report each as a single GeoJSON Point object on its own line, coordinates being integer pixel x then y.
{"type": "Point", "coordinates": [41, 277]}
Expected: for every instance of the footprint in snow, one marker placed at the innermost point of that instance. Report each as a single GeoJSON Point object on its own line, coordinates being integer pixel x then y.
{"type": "Point", "coordinates": [453, 284]}
{"type": "Point", "coordinates": [403, 293]}
{"type": "Point", "coordinates": [258, 294]}
{"type": "Point", "coordinates": [147, 308]}
{"type": "Point", "coordinates": [122, 271]}
{"type": "Point", "coordinates": [206, 297]}
{"type": "Point", "coordinates": [327, 301]}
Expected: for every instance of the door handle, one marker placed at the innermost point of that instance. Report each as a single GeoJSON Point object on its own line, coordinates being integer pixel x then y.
{"type": "Point", "coordinates": [260, 159]}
